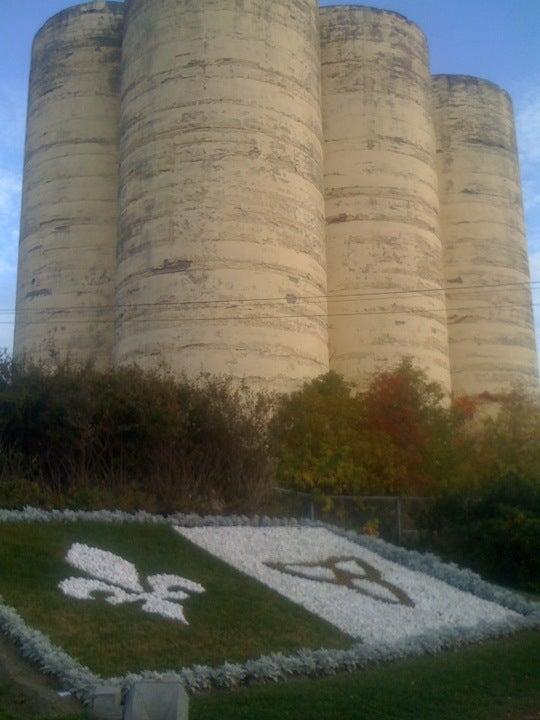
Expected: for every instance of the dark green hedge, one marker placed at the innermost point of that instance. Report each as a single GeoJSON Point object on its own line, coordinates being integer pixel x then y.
{"type": "Point", "coordinates": [83, 437]}
{"type": "Point", "coordinates": [493, 529]}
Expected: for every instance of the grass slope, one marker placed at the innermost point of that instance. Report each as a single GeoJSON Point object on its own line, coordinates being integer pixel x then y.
{"type": "Point", "coordinates": [234, 620]}
{"type": "Point", "coordinates": [496, 681]}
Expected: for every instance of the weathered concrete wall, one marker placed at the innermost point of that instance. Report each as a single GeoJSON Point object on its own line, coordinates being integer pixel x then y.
{"type": "Point", "coordinates": [491, 331]}
{"type": "Point", "coordinates": [65, 292]}
{"type": "Point", "coordinates": [381, 195]}
{"type": "Point", "coordinates": [68, 238]}
{"type": "Point", "coordinates": [219, 136]}
{"type": "Point", "coordinates": [221, 190]}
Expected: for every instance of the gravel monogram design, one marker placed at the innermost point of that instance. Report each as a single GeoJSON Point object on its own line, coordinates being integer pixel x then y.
{"type": "Point", "coordinates": [352, 573]}
{"type": "Point", "coordinates": [119, 582]}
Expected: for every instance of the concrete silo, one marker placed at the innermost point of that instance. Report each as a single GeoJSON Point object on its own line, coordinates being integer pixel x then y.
{"type": "Point", "coordinates": [221, 190]}
{"type": "Point", "coordinates": [381, 196]}
{"type": "Point", "coordinates": [68, 236]}
{"type": "Point", "coordinates": [491, 331]}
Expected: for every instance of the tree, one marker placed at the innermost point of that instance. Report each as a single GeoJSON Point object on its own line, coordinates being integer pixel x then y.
{"type": "Point", "coordinates": [394, 438]}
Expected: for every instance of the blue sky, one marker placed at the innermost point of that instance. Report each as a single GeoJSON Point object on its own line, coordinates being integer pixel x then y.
{"type": "Point", "coordinates": [495, 39]}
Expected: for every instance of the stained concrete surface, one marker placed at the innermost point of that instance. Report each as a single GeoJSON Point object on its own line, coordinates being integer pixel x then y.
{"type": "Point", "coordinates": [491, 331]}
{"type": "Point", "coordinates": [221, 191]}
{"type": "Point", "coordinates": [68, 238]}
{"type": "Point", "coordinates": [382, 205]}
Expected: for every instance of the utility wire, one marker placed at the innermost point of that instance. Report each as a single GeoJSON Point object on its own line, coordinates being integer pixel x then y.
{"type": "Point", "coordinates": [292, 298]}
{"type": "Point", "coordinates": [410, 311]}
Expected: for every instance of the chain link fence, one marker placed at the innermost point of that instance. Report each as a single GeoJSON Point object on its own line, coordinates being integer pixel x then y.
{"type": "Point", "coordinates": [392, 518]}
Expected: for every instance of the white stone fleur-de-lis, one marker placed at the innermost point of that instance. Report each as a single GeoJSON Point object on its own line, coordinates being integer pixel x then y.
{"type": "Point", "coordinates": [119, 582]}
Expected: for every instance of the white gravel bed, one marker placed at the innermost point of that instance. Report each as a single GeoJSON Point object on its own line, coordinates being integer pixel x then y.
{"type": "Point", "coordinates": [379, 616]}
{"type": "Point", "coordinates": [401, 583]}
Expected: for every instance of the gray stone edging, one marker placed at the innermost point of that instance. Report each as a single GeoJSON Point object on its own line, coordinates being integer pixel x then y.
{"type": "Point", "coordinates": [37, 647]}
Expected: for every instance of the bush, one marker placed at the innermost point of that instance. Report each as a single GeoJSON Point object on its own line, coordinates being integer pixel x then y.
{"type": "Point", "coordinates": [506, 439]}
{"type": "Point", "coordinates": [493, 528]}
{"type": "Point", "coordinates": [82, 438]}
{"type": "Point", "coordinates": [134, 439]}
{"type": "Point", "coordinates": [394, 438]}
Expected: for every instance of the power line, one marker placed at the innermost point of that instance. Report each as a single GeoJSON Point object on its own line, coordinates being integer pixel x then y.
{"type": "Point", "coordinates": [409, 311]}
{"type": "Point", "coordinates": [292, 299]}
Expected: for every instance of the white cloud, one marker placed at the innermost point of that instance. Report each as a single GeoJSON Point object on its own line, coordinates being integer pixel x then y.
{"type": "Point", "coordinates": [528, 122]}
{"type": "Point", "coordinates": [527, 107]}
{"type": "Point", "coordinates": [6, 337]}
{"type": "Point", "coordinates": [10, 198]}
{"type": "Point", "coordinates": [10, 190]}
{"type": "Point", "coordinates": [531, 188]}
{"type": "Point", "coordinates": [528, 132]}
{"type": "Point", "coordinates": [534, 260]}
{"type": "Point", "coordinates": [12, 122]}
{"type": "Point", "coordinates": [527, 104]}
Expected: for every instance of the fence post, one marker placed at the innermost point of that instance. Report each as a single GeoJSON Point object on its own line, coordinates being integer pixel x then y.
{"type": "Point", "coordinates": [312, 510]}
{"type": "Point", "coordinates": [399, 519]}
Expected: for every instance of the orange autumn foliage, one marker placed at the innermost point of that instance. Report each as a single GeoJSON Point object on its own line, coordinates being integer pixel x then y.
{"type": "Point", "coordinates": [392, 438]}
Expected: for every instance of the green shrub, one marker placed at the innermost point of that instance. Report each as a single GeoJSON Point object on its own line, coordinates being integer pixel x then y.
{"type": "Point", "coordinates": [134, 439]}
{"type": "Point", "coordinates": [393, 438]}
{"type": "Point", "coordinates": [493, 528]}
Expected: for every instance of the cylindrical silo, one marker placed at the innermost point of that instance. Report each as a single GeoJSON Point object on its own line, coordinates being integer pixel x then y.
{"type": "Point", "coordinates": [490, 321]}
{"type": "Point", "coordinates": [221, 204]}
{"type": "Point", "coordinates": [384, 250]}
{"type": "Point", "coordinates": [65, 292]}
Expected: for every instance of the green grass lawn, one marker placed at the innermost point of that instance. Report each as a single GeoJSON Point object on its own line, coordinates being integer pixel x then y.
{"type": "Point", "coordinates": [16, 704]}
{"type": "Point", "coordinates": [238, 618]}
{"type": "Point", "coordinates": [495, 681]}
{"type": "Point", "coordinates": [235, 619]}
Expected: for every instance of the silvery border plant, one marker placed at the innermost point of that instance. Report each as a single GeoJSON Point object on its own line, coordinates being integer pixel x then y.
{"type": "Point", "coordinates": [81, 681]}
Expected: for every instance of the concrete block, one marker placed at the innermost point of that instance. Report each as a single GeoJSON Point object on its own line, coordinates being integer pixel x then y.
{"type": "Point", "coordinates": [67, 251]}
{"type": "Point", "coordinates": [240, 214]}
{"type": "Point", "coordinates": [484, 237]}
{"type": "Point", "coordinates": [106, 703]}
{"type": "Point", "coordinates": [381, 196]}
{"type": "Point", "coordinates": [158, 700]}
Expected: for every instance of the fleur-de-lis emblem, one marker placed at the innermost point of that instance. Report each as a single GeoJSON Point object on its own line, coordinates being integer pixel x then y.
{"type": "Point", "coordinates": [350, 572]}
{"type": "Point", "coordinates": [119, 582]}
